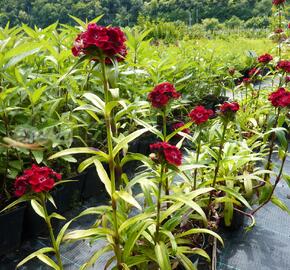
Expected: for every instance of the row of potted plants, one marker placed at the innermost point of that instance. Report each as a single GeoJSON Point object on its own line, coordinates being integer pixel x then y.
{"type": "Point", "coordinates": [181, 193]}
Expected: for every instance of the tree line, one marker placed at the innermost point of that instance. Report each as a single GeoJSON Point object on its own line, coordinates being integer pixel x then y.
{"type": "Point", "coordinates": [126, 12]}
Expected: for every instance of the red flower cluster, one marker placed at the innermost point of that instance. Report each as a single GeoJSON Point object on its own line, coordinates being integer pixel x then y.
{"type": "Point", "coordinates": [265, 58]}
{"type": "Point", "coordinates": [278, 31]}
{"type": "Point", "coordinates": [37, 179]}
{"type": "Point", "coordinates": [280, 98]}
{"type": "Point", "coordinates": [246, 81]}
{"type": "Point", "coordinates": [99, 39]}
{"type": "Point", "coordinates": [200, 115]}
{"type": "Point", "coordinates": [162, 94]}
{"type": "Point", "coordinates": [284, 65]}
{"type": "Point", "coordinates": [168, 152]}
{"type": "Point", "coordinates": [229, 107]}
{"type": "Point", "coordinates": [278, 2]}
{"type": "Point", "coordinates": [254, 72]}
{"type": "Point", "coordinates": [178, 125]}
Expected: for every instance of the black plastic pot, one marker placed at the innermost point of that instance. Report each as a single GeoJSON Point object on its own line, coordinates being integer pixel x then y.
{"type": "Point", "coordinates": [11, 223]}
{"type": "Point", "coordinates": [69, 193]}
{"type": "Point", "coordinates": [93, 186]}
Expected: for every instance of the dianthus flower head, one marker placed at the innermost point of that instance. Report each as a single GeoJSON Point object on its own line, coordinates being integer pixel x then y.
{"type": "Point", "coordinates": [162, 94]}
{"type": "Point", "coordinates": [101, 42]}
{"type": "Point", "coordinates": [280, 98]}
{"type": "Point", "coordinates": [167, 152]}
{"type": "Point", "coordinates": [200, 115]}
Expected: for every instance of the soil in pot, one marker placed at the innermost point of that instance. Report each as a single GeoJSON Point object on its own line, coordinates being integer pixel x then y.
{"type": "Point", "coordinates": [11, 224]}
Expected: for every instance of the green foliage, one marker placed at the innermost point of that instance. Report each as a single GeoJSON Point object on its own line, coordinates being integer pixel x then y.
{"type": "Point", "coordinates": [126, 12]}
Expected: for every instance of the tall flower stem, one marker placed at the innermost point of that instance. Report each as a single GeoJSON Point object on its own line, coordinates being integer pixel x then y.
{"type": "Point", "coordinates": [272, 143]}
{"type": "Point", "coordinates": [219, 156]}
{"type": "Point", "coordinates": [117, 248]}
{"type": "Point", "coordinates": [220, 153]}
{"type": "Point", "coordinates": [162, 172]}
{"type": "Point", "coordinates": [280, 26]}
{"type": "Point", "coordinates": [164, 129]}
{"type": "Point", "coordinates": [196, 159]}
{"type": "Point", "coordinates": [278, 178]}
{"type": "Point", "coordinates": [51, 233]}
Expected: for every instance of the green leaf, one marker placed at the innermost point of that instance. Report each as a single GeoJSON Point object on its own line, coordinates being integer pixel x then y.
{"type": "Point", "coordinates": [135, 219]}
{"type": "Point", "coordinates": [171, 135]}
{"type": "Point", "coordinates": [24, 198]}
{"type": "Point", "coordinates": [275, 200]}
{"type": "Point", "coordinates": [35, 254]}
{"type": "Point", "coordinates": [171, 238]}
{"type": "Point", "coordinates": [48, 261]}
{"type": "Point", "coordinates": [37, 208]}
{"type": "Point", "coordinates": [127, 197]}
{"type": "Point", "coordinates": [36, 95]}
{"type": "Point", "coordinates": [57, 216]}
{"type": "Point", "coordinates": [134, 234]}
{"type": "Point", "coordinates": [61, 233]}
{"type": "Point", "coordinates": [89, 233]}
{"type": "Point", "coordinates": [16, 59]}
{"type": "Point", "coordinates": [79, 150]}
{"type": "Point", "coordinates": [38, 155]}
{"type": "Point", "coordinates": [188, 202]}
{"type": "Point", "coordinates": [103, 176]}
{"type": "Point", "coordinates": [79, 21]}
{"type": "Point", "coordinates": [235, 194]}
{"type": "Point", "coordinates": [162, 256]}
{"type": "Point", "coordinates": [95, 257]}
{"type": "Point", "coordinates": [228, 213]}
{"type": "Point", "coordinates": [200, 230]}
{"type": "Point", "coordinates": [124, 142]}
{"type": "Point", "coordinates": [99, 103]}
{"type": "Point", "coordinates": [186, 262]}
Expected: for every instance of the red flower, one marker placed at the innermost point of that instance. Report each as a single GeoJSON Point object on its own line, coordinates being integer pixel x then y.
{"type": "Point", "coordinates": [254, 71]}
{"type": "Point", "coordinates": [162, 94]}
{"type": "Point", "coordinates": [278, 2]}
{"type": "Point", "coordinates": [99, 39]}
{"type": "Point", "coordinates": [280, 98]}
{"type": "Point", "coordinates": [287, 79]}
{"type": "Point", "coordinates": [246, 81]}
{"type": "Point", "coordinates": [278, 31]}
{"type": "Point", "coordinates": [288, 25]}
{"type": "Point", "coordinates": [200, 115]}
{"type": "Point", "coordinates": [229, 107]}
{"type": "Point", "coordinates": [284, 65]}
{"type": "Point", "coordinates": [265, 58]}
{"type": "Point", "coordinates": [178, 125]}
{"type": "Point", "coordinates": [168, 152]}
{"type": "Point", "coordinates": [36, 179]}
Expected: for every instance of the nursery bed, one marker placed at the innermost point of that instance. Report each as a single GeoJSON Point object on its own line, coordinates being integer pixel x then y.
{"type": "Point", "coordinates": [265, 247]}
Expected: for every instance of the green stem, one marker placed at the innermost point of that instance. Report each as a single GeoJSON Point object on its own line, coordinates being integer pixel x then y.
{"type": "Point", "coordinates": [159, 204]}
{"type": "Point", "coordinates": [164, 124]}
{"type": "Point", "coordinates": [51, 234]}
{"type": "Point", "coordinates": [272, 143]}
{"type": "Point", "coordinates": [280, 41]}
{"type": "Point", "coordinates": [278, 178]}
{"type": "Point", "coordinates": [218, 161]}
{"type": "Point", "coordinates": [196, 160]}
{"type": "Point", "coordinates": [117, 248]}
{"type": "Point", "coordinates": [219, 154]}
